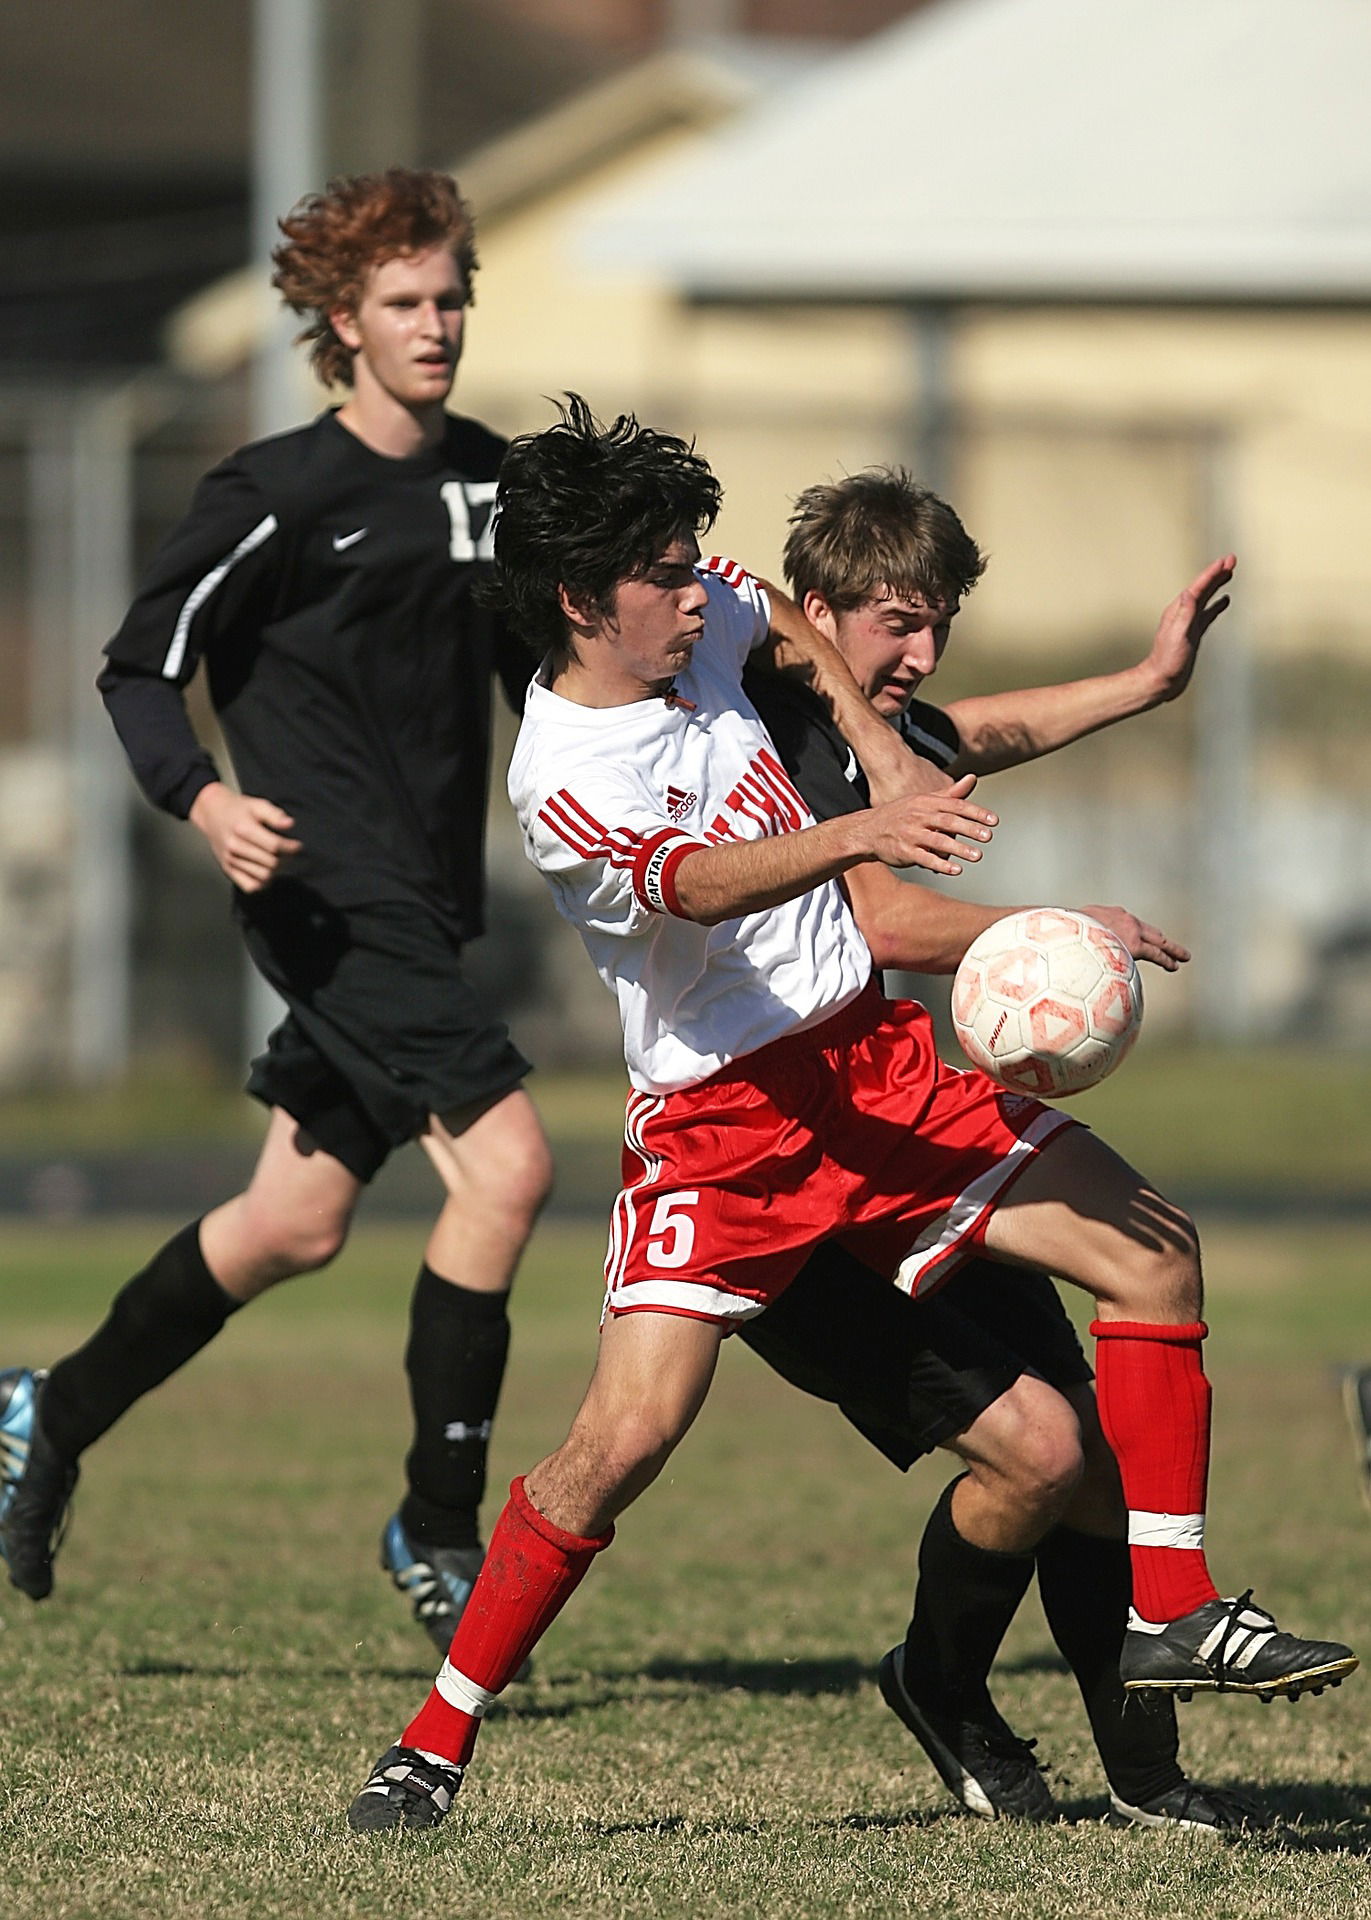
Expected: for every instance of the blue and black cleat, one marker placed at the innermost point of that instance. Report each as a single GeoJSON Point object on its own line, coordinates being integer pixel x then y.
{"type": "Point", "coordinates": [36, 1485]}
{"type": "Point", "coordinates": [437, 1581]}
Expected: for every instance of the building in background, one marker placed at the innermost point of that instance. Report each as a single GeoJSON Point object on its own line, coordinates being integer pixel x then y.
{"type": "Point", "coordinates": [1115, 264]}
{"type": "Point", "coordinates": [1072, 264]}
{"type": "Point", "coordinates": [124, 144]}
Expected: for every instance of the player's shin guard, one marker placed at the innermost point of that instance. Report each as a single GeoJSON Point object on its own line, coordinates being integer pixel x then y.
{"type": "Point", "coordinates": [1154, 1407]}
{"type": "Point", "coordinates": [1085, 1585]}
{"type": "Point", "coordinates": [455, 1361]}
{"type": "Point", "coordinates": [531, 1570]}
{"type": "Point", "coordinates": [966, 1597]}
{"type": "Point", "coordinates": [159, 1320]}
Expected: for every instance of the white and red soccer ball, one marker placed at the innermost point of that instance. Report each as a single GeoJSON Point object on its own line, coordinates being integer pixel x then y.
{"type": "Point", "coordinates": [1047, 1001]}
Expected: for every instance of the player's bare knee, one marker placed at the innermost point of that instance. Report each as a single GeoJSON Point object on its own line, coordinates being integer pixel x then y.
{"type": "Point", "coordinates": [1048, 1469]}
{"type": "Point", "coordinates": [289, 1246]}
{"type": "Point", "coordinates": [519, 1187]}
{"type": "Point", "coordinates": [506, 1172]}
{"type": "Point", "coordinates": [1025, 1450]}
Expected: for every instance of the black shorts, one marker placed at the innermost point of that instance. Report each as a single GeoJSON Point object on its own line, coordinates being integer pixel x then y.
{"type": "Point", "coordinates": [383, 1027]}
{"type": "Point", "coordinates": [909, 1374]}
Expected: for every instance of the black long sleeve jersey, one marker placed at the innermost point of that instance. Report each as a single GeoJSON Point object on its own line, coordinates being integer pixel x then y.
{"type": "Point", "coordinates": [329, 591]}
{"type": "Point", "coordinates": [818, 758]}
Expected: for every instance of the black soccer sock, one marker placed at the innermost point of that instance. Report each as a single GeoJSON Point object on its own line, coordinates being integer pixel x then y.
{"type": "Point", "coordinates": [963, 1604]}
{"type": "Point", "coordinates": [458, 1340]}
{"type": "Point", "coordinates": [1085, 1584]}
{"type": "Point", "coordinates": [165, 1314]}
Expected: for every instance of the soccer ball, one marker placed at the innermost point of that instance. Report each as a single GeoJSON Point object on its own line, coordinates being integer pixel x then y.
{"type": "Point", "coordinates": [1047, 1001]}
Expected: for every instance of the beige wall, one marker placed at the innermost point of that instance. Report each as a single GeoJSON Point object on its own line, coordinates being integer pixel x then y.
{"type": "Point", "coordinates": [1099, 455]}
{"type": "Point", "coordinates": [1286, 401]}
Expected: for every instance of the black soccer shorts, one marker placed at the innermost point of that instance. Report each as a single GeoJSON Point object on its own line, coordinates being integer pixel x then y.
{"type": "Point", "coordinates": [383, 1027]}
{"type": "Point", "coordinates": [909, 1374]}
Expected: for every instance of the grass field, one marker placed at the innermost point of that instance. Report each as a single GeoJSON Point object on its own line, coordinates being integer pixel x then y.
{"type": "Point", "coordinates": [186, 1720]}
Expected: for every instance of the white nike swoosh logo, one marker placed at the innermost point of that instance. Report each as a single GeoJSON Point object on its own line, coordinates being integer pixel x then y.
{"type": "Point", "coordinates": [341, 540]}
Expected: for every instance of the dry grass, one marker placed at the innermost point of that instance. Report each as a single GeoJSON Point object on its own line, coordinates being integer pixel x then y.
{"type": "Point", "coordinates": [185, 1722]}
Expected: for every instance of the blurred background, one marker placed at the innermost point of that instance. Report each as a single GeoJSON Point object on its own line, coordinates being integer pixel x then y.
{"type": "Point", "coordinates": [1100, 273]}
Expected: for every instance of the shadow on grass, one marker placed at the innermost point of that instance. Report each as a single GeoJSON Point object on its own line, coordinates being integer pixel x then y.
{"type": "Point", "coordinates": [790, 1678]}
{"type": "Point", "coordinates": [841, 1823]}
{"type": "Point", "coordinates": [255, 1670]}
{"type": "Point", "coordinates": [1307, 1818]}
{"type": "Point", "coordinates": [784, 1677]}
{"type": "Point", "coordinates": [799, 1679]}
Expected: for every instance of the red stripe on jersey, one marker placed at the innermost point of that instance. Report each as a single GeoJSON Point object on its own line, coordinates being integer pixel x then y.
{"type": "Point", "coordinates": [556, 815]}
{"type": "Point", "coordinates": [578, 815]}
{"type": "Point", "coordinates": [728, 571]}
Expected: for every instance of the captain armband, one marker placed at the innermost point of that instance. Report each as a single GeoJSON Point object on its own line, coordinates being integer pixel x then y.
{"type": "Point", "coordinates": [654, 870]}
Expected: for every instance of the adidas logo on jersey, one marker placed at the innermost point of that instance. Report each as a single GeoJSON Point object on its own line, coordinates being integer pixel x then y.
{"type": "Point", "coordinates": [679, 804]}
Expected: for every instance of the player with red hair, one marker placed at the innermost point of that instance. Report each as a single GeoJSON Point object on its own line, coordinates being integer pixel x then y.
{"type": "Point", "coordinates": [327, 579]}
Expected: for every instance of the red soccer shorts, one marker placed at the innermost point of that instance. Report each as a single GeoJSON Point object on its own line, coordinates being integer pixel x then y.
{"type": "Point", "coordinates": [853, 1130]}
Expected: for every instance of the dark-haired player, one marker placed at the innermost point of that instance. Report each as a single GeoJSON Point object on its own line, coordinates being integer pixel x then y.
{"type": "Point", "coordinates": [777, 1099]}
{"type": "Point", "coordinates": [990, 1368]}
{"type": "Point", "coordinates": [325, 578]}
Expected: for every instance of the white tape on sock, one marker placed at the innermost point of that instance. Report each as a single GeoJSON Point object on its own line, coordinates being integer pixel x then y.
{"type": "Point", "coordinates": [1166, 1530]}
{"type": "Point", "coordinates": [462, 1693]}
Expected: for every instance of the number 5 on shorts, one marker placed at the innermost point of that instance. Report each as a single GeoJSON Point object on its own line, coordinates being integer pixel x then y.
{"type": "Point", "coordinates": [671, 1237]}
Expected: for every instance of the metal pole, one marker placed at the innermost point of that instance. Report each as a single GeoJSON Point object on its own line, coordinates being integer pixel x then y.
{"type": "Point", "coordinates": [101, 578]}
{"type": "Point", "coordinates": [49, 508]}
{"type": "Point", "coordinates": [931, 331]}
{"type": "Point", "coordinates": [287, 162]}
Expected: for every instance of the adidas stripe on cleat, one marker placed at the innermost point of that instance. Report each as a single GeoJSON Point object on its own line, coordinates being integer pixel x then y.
{"type": "Point", "coordinates": [18, 1388]}
{"type": "Point", "coordinates": [406, 1790]}
{"type": "Point", "coordinates": [982, 1762]}
{"type": "Point", "coordinates": [1229, 1646]}
{"type": "Point", "coordinates": [437, 1581]}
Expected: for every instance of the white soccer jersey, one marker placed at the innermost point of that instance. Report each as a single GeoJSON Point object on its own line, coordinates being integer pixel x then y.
{"type": "Point", "coordinates": [611, 799]}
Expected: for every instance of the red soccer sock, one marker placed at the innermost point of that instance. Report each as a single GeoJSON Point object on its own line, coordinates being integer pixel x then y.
{"type": "Point", "coordinates": [1154, 1408]}
{"type": "Point", "coordinates": [531, 1570]}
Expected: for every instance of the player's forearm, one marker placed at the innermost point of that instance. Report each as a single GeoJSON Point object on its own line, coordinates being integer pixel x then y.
{"type": "Point", "coordinates": [747, 876]}
{"type": "Point", "coordinates": [913, 928]}
{"type": "Point", "coordinates": [1005, 729]}
{"type": "Point", "coordinates": [934, 831]}
{"type": "Point", "coordinates": [798, 647]}
{"type": "Point", "coordinates": [149, 716]}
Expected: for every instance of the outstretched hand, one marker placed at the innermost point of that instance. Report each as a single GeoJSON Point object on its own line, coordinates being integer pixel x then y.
{"type": "Point", "coordinates": [932, 830]}
{"type": "Point", "coordinates": [247, 835]}
{"type": "Point", "coordinates": [1183, 625]}
{"type": "Point", "coordinates": [1144, 942]}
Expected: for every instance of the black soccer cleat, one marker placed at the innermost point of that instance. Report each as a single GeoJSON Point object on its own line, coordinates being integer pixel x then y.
{"type": "Point", "coordinates": [36, 1485]}
{"type": "Point", "coordinates": [1230, 1646]}
{"type": "Point", "coordinates": [406, 1790]}
{"type": "Point", "coordinates": [437, 1581]}
{"type": "Point", "coordinates": [982, 1762]}
{"type": "Point", "coordinates": [1193, 1808]}
{"type": "Point", "coordinates": [1356, 1398]}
